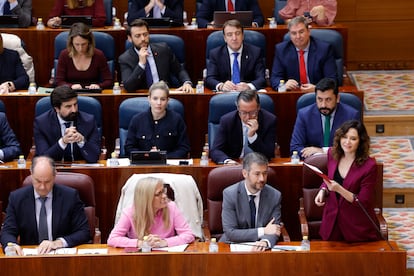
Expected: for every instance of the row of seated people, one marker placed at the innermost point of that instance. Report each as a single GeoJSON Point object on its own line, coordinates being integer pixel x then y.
{"type": "Point", "coordinates": [300, 62]}
{"type": "Point", "coordinates": [322, 12]}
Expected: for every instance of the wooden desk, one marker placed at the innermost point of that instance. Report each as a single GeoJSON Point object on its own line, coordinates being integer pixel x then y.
{"type": "Point", "coordinates": [324, 258]}
{"type": "Point", "coordinates": [40, 45]}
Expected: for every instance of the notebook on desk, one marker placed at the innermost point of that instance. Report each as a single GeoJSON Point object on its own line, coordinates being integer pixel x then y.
{"type": "Point", "coordinates": [68, 20]}
{"type": "Point", "coordinates": [86, 90]}
{"type": "Point", "coordinates": [9, 20]}
{"type": "Point", "coordinates": [245, 17]}
{"type": "Point", "coordinates": [149, 157]}
{"type": "Point", "coordinates": [161, 22]}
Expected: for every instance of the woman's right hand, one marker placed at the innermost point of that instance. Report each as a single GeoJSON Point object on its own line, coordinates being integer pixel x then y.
{"type": "Point", "coordinates": [54, 22]}
{"type": "Point", "coordinates": [76, 86]}
{"type": "Point", "coordinates": [320, 198]}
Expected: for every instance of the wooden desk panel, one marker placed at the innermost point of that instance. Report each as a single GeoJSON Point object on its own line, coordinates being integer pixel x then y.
{"type": "Point", "coordinates": [324, 258]}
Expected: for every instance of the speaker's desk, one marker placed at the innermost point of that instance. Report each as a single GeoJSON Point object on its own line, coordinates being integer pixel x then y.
{"type": "Point", "coordinates": [324, 258]}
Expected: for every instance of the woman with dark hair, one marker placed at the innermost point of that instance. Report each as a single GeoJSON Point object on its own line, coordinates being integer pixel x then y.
{"type": "Point", "coordinates": [81, 65]}
{"type": "Point", "coordinates": [351, 189]}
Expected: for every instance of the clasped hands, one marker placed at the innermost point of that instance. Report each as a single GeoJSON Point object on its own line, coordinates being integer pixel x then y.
{"type": "Point", "coordinates": [154, 241]}
{"type": "Point", "coordinates": [230, 86]}
{"type": "Point", "coordinates": [152, 3]}
{"type": "Point", "coordinates": [292, 84]}
{"type": "Point", "coordinates": [72, 136]}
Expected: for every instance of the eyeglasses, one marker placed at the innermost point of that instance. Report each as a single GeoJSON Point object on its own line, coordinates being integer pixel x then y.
{"type": "Point", "coordinates": [250, 114]}
{"type": "Point", "coordinates": [162, 192]}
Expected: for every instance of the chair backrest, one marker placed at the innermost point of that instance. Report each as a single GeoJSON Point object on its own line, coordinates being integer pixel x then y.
{"type": "Point", "coordinates": [2, 107]}
{"type": "Point", "coordinates": [108, 12]}
{"type": "Point", "coordinates": [85, 186]}
{"type": "Point", "coordinates": [103, 41]}
{"type": "Point", "coordinates": [217, 180]}
{"type": "Point", "coordinates": [221, 104]}
{"type": "Point", "coordinates": [279, 4]}
{"type": "Point", "coordinates": [346, 98]}
{"type": "Point", "coordinates": [334, 38]}
{"type": "Point", "coordinates": [216, 39]}
{"type": "Point", "coordinates": [86, 104]}
{"type": "Point", "coordinates": [132, 106]}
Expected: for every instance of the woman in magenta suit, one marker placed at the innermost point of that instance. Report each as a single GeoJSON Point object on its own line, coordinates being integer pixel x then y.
{"type": "Point", "coordinates": [153, 216]}
{"type": "Point", "coordinates": [352, 188]}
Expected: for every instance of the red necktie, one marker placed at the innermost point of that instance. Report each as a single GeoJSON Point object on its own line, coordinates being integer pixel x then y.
{"type": "Point", "coordinates": [302, 67]}
{"type": "Point", "coordinates": [230, 6]}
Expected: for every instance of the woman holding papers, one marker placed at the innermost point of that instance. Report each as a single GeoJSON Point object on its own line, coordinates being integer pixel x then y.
{"type": "Point", "coordinates": [152, 216]}
{"type": "Point", "coordinates": [349, 196]}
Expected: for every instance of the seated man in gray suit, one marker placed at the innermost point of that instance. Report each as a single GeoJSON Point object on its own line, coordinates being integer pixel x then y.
{"type": "Point", "coordinates": [251, 208]}
{"type": "Point", "coordinates": [146, 63]}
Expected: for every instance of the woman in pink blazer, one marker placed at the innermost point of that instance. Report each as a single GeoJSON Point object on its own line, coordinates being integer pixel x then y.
{"type": "Point", "coordinates": [351, 189]}
{"type": "Point", "coordinates": [152, 215]}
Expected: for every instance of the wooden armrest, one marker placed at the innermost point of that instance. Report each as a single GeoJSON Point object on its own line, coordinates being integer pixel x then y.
{"type": "Point", "coordinates": [302, 219]}
{"type": "Point", "coordinates": [284, 233]}
{"type": "Point", "coordinates": [103, 155]}
{"type": "Point", "coordinates": [97, 236]}
{"type": "Point", "coordinates": [382, 223]}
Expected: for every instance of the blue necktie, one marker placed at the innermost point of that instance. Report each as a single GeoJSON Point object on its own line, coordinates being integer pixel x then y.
{"type": "Point", "coordinates": [43, 233]}
{"type": "Point", "coordinates": [252, 211]}
{"type": "Point", "coordinates": [236, 70]}
{"type": "Point", "coordinates": [148, 74]}
{"type": "Point", "coordinates": [6, 8]}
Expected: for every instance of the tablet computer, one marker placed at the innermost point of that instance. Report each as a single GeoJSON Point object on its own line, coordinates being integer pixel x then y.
{"type": "Point", "coordinates": [245, 17]}
{"type": "Point", "coordinates": [68, 20]}
{"type": "Point", "coordinates": [161, 22]}
{"type": "Point", "coordinates": [158, 157]}
{"type": "Point", "coordinates": [86, 90]}
{"type": "Point", "coordinates": [9, 20]}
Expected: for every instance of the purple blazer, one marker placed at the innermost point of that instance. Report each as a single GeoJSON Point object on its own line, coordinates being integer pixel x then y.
{"type": "Point", "coordinates": [349, 217]}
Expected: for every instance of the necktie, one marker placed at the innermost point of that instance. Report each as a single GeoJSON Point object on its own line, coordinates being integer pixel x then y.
{"type": "Point", "coordinates": [302, 67]}
{"type": "Point", "coordinates": [43, 233]}
{"type": "Point", "coordinates": [230, 6]}
{"type": "Point", "coordinates": [6, 8]}
{"type": "Point", "coordinates": [68, 154]}
{"type": "Point", "coordinates": [327, 131]}
{"type": "Point", "coordinates": [252, 211]}
{"type": "Point", "coordinates": [148, 74]}
{"type": "Point", "coordinates": [156, 12]}
{"type": "Point", "coordinates": [246, 148]}
{"type": "Point", "coordinates": [236, 70]}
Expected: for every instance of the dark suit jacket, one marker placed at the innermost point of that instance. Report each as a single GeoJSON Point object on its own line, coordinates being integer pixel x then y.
{"type": "Point", "coordinates": [47, 133]}
{"type": "Point", "coordinates": [321, 62]}
{"type": "Point", "coordinates": [133, 76]}
{"type": "Point", "coordinates": [252, 67]}
{"type": "Point", "coordinates": [235, 214]}
{"type": "Point", "coordinates": [308, 129]}
{"type": "Point", "coordinates": [228, 142]}
{"type": "Point", "coordinates": [173, 10]}
{"type": "Point", "coordinates": [8, 141]}
{"type": "Point", "coordinates": [206, 11]}
{"type": "Point", "coordinates": [12, 69]}
{"type": "Point", "coordinates": [353, 223]}
{"type": "Point", "coordinates": [24, 11]}
{"type": "Point", "coordinates": [68, 217]}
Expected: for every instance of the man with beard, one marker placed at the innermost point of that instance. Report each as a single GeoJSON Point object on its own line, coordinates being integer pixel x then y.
{"type": "Point", "coordinates": [146, 63]}
{"type": "Point", "coordinates": [64, 133]}
{"type": "Point", "coordinates": [316, 124]}
{"type": "Point", "coordinates": [251, 208]}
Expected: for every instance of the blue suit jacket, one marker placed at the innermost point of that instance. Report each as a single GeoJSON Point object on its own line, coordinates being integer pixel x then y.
{"type": "Point", "coordinates": [47, 133]}
{"type": "Point", "coordinates": [228, 142]}
{"type": "Point", "coordinates": [68, 217]}
{"type": "Point", "coordinates": [308, 129]}
{"type": "Point", "coordinates": [8, 141]}
{"type": "Point", "coordinates": [208, 7]}
{"type": "Point", "coordinates": [235, 214]}
{"type": "Point", "coordinates": [12, 69]}
{"type": "Point", "coordinates": [252, 67]}
{"type": "Point", "coordinates": [173, 10]}
{"type": "Point", "coordinates": [321, 62]}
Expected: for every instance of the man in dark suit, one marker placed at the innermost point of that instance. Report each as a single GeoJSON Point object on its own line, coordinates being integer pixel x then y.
{"type": "Point", "coordinates": [244, 130]}
{"type": "Point", "coordinates": [317, 57]}
{"type": "Point", "coordinates": [9, 146]}
{"type": "Point", "coordinates": [64, 221]}
{"type": "Point", "coordinates": [251, 208]}
{"type": "Point", "coordinates": [172, 9]}
{"type": "Point", "coordinates": [146, 63]}
{"type": "Point", "coordinates": [206, 11]}
{"type": "Point", "coordinates": [63, 132]}
{"type": "Point", "coordinates": [221, 72]}
{"type": "Point", "coordinates": [308, 135]}
{"type": "Point", "coordinates": [22, 8]}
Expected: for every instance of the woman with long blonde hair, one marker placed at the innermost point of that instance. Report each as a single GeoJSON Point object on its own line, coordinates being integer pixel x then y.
{"type": "Point", "coordinates": [151, 215]}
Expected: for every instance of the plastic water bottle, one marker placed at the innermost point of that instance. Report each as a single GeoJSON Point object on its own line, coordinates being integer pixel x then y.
{"type": "Point", "coordinates": [305, 244]}
{"type": "Point", "coordinates": [272, 23]}
{"type": "Point", "coordinates": [117, 24]}
{"type": "Point", "coordinates": [193, 23]}
{"type": "Point", "coordinates": [295, 158]}
{"type": "Point", "coordinates": [282, 86]}
{"type": "Point", "coordinates": [32, 88]}
{"type": "Point", "coordinates": [40, 25]}
{"type": "Point", "coordinates": [200, 87]}
{"type": "Point", "coordinates": [145, 248]}
{"type": "Point", "coordinates": [113, 161]}
{"type": "Point", "coordinates": [213, 246]}
{"type": "Point", "coordinates": [116, 90]}
{"type": "Point", "coordinates": [204, 159]}
{"type": "Point", "coordinates": [10, 249]}
{"type": "Point", "coordinates": [21, 162]}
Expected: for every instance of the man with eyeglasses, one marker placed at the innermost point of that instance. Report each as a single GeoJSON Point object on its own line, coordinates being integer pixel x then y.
{"type": "Point", "coordinates": [235, 66]}
{"type": "Point", "coordinates": [247, 129]}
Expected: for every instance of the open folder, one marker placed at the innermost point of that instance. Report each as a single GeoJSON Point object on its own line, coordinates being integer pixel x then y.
{"type": "Point", "coordinates": [317, 171]}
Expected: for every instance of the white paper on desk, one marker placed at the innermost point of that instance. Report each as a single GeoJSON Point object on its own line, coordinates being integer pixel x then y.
{"type": "Point", "coordinates": [176, 162]}
{"type": "Point", "coordinates": [75, 165]}
{"type": "Point", "coordinates": [290, 163]}
{"type": "Point", "coordinates": [121, 162]}
{"type": "Point", "coordinates": [242, 247]}
{"type": "Point", "coordinates": [66, 251]}
{"type": "Point", "coordinates": [177, 248]}
{"type": "Point", "coordinates": [286, 248]}
{"type": "Point", "coordinates": [33, 252]}
{"type": "Point", "coordinates": [88, 251]}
